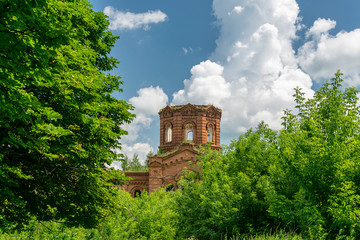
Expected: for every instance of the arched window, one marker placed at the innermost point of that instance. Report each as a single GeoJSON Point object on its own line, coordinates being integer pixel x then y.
{"type": "Point", "coordinates": [189, 132]}
{"type": "Point", "coordinates": [168, 133]}
{"type": "Point", "coordinates": [210, 133]}
{"type": "Point", "coordinates": [190, 136]}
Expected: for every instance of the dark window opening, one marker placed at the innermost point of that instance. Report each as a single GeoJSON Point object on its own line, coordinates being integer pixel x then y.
{"type": "Point", "coordinates": [169, 187]}
{"type": "Point", "coordinates": [137, 193]}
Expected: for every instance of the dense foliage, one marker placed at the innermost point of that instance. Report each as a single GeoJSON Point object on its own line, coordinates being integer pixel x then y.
{"type": "Point", "coordinates": [59, 125]}
{"type": "Point", "coordinates": [148, 217]}
{"type": "Point", "coordinates": [58, 119]}
{"type": "Point", "coordinates": [227, 198]}
{"type": "Point", "coordinates": [314, 185]}
{"type": "Point", "coordinates": [304, 178]}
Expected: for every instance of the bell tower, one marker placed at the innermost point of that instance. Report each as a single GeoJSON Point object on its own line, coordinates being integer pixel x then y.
{"type": "Point", "coordinates": [182, 129]}
{"type": "Point", "coordinates": [197, 124]}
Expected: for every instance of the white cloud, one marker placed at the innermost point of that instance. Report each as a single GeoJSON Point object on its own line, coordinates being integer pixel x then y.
{"type": "Point", "coordinates": [240, 45]}
{"type": "Point", "coordinates": [206, 85]}
{"type": "Point", "coordinates": [149, 100]}
{"type": "Point", "coordinates": [323, 55]}
{"type": "Point", "coordinates": [253, 70]}
{"type": "Point", "coordinates": [321, 26]}
{"type": "Point", "coordinates": [147, 104]}
{"type": "Point", "coordinates": [236, 9]}
{"type": "Point", "coordinates": [120, 20]}
{"type": "Point", "coordinates": [140, 148]}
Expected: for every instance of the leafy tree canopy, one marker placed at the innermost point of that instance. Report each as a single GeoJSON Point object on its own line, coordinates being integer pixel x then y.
{"type": "Point", "coordinates": [227, 198]}
{"type": "Point", "coordinates": [315, 182]}
{"type": "Point", "coordinates": [304, 178]}
{"type": "Point", "coordinates": [58, 119]}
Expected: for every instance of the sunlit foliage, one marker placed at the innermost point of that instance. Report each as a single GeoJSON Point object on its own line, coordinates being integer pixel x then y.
{"type": "Point", "coordinates": [58, 119]}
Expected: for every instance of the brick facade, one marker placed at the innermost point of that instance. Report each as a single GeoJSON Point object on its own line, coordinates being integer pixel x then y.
{"type": "Point", "coordinates": [182, 129]}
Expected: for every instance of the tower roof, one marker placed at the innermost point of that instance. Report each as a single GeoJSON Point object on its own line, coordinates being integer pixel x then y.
{"type": "Point", "coordinates": [176, 108]}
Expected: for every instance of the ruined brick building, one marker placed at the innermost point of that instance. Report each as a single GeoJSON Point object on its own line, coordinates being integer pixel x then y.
{"type": "Point", "coordinates": [182, 129]}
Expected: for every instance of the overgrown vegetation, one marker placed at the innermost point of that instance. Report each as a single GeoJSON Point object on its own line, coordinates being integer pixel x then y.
{"type": "Point", "coordinates": [58, 120]}
{"type": "Point", "coordinates": [302, 179]}
{"type": "Point", "coordinates": [59, 125]}
{"type": "Point", "coordinates": [301, 182]}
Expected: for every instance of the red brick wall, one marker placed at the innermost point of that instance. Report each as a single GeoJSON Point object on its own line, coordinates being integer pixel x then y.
{"type": "Point", "coordinates": [140, 181]}
{"type": "Point", "coordinates": [197, 115]}
{"type": "Point", "coordinates": [167, 168]}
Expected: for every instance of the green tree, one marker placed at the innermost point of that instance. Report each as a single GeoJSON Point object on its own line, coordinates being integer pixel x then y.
{"type": "Point", "coordinates": [315, 184]}
{"type": "Point", "coordinates": [151, 216]}
{"type": "Point", "coordinates": [304, 178]}
{"type": "Point", "coordinates": [125, 163]}
{"type": "Point", "coordinates": [133, 164]}
{"type": "Point", "coordinates": [227, 198]}
{"type": "Point", "coordinates": [58, 119]}
{"type": "Point", "coordinates": [146, 217]}
{"type": "Point", "coordinates": [150, 154]}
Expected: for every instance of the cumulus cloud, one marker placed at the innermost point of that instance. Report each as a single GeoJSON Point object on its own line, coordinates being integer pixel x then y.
{"type": "Point", "coordinates": [324, 54]}
{"type": "Point", "coordinates": [205, 86]}
{"type": "Point", "coordinates": [149, 100]}
{"type": "Point", "coordinates": [120, 20]}
{"type": "Point", "coordinates": [253, 70]}
{"type": "Point", "coordinates": [147, 104]}
{"type": "Point", "coordinates": [321, 26]}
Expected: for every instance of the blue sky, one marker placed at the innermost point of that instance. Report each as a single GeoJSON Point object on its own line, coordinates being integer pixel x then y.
{"type": "Point", "coordinates": [156, 56]}
{"type": "Point", "coordinates": [244, 56]}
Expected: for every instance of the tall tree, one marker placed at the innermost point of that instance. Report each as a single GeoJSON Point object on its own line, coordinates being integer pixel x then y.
{"type": "Point", "coordinates": [227, 198]}
{"type": "Point", "coordinates": [315, 183]}
{"type": "Point", "coordinates": [58, 119]}
{"type": "Point", "coordinates": [304, 178]}
{"type": "Point", "coordinates": [133, 164]}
